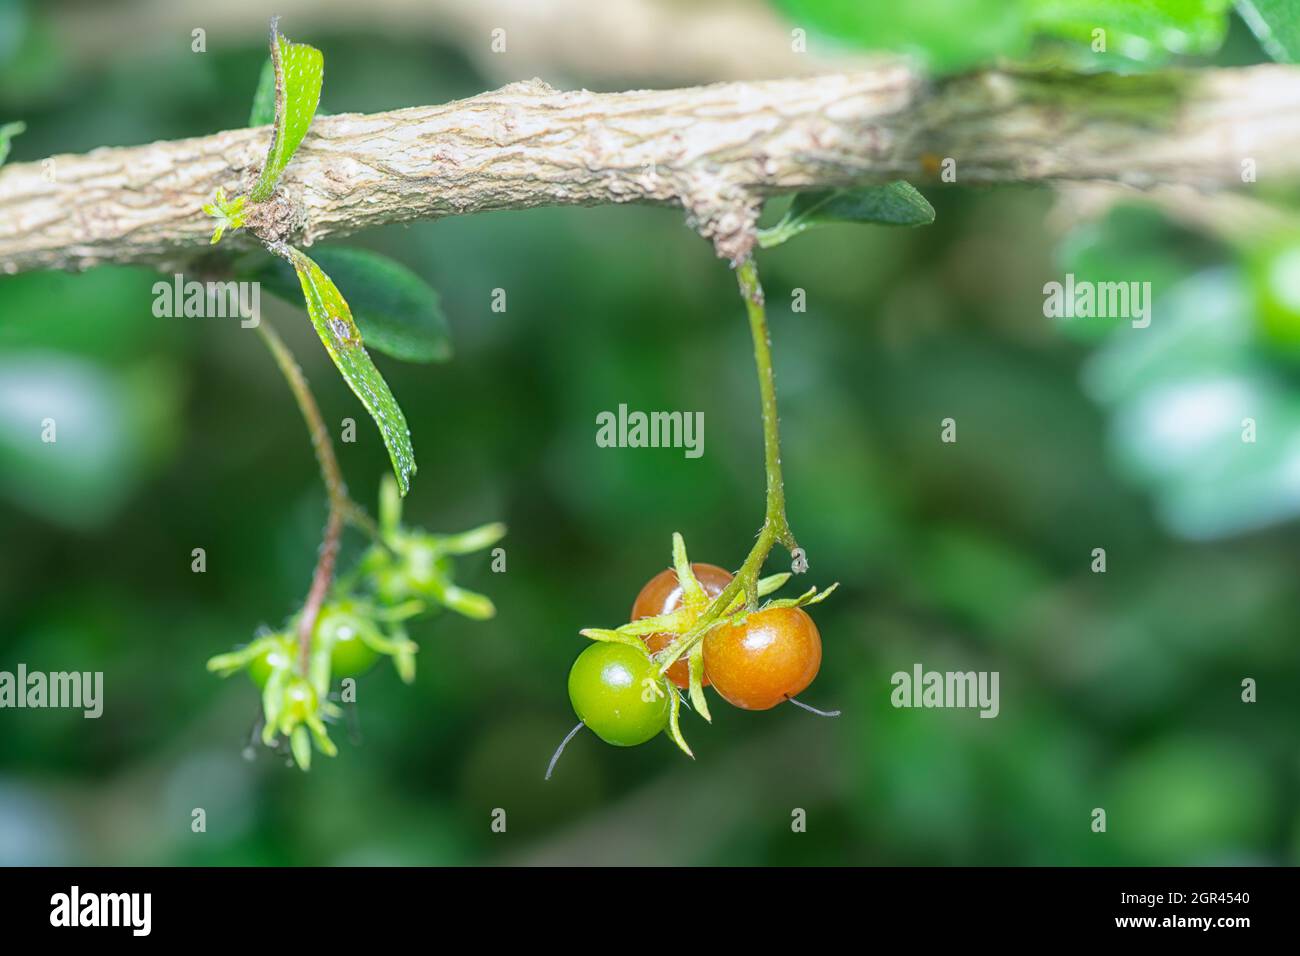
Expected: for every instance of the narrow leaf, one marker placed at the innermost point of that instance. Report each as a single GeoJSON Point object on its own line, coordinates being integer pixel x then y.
{"type": "Point", "coordinates": [333, 321]}
{"type": "Point", "coordinates": [398, 312]}
{"type": "Point", "coordinates": [893, 204]}
{"type": "Point", "coordinates": [7, 132]}
{"type": "Point", "coordinates": [299, 71]}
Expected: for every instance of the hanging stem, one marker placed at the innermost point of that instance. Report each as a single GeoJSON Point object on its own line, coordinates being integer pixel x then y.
{"type": "Point", "coordinates": [774, 519]}
{"type": "Point", "coordinates": [776, 528]}
{"type": "Point", "coordinates": [342, 507]}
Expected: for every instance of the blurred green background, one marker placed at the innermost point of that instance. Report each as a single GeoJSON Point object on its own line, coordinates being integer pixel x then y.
{"type": "Point", "coordinates": [1118, 690]}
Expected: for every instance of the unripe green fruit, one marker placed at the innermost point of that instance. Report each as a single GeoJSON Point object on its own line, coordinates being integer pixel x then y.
{"type": "Point", "coordinates": [278, 655]}
{"type": "Point", "coordinates": [350, 656]}
{"type": "Point", "coordinates": [617, 694]}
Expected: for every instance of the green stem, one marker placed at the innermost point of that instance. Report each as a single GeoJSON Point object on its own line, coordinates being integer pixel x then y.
{"type": "Point", "coordinates": [776, 528]}
{"type": "Point", "coordinates": [752, 292]}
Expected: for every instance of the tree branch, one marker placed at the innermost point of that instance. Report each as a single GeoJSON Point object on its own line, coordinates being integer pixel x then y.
{"type": "Point", "coordinates": [715, 151]}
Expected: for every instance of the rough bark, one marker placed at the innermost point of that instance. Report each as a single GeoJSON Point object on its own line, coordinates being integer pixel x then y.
{"type": "Point", "coordinates": [715, 151]}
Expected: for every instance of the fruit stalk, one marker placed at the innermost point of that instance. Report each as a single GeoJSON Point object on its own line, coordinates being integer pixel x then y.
{"type": "Point", "coordinates": [341, 505]}
{"type": "Point", "coordinates": [776, 527]}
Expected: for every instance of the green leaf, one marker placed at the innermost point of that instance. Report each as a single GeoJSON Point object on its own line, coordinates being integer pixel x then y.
{"type": "Point", "coordinates": [299, 72]}
{"type": "Point", "coordinates": [944, 35]}
{"type": "Point", "coordinates": [1142, 30]}
{"type": "Point", "coordinates": [1277, 25]}
{"type": "Point", "coordinates": [398, 312]}
{"type": "Point", "coordinates": [263, 111]}
{"type": "Point", "coordinates": [7, 132]}
{"type": "Point", "coordinates": [893, 204]}
{"type": "Point", "coordinates": [332, 318]}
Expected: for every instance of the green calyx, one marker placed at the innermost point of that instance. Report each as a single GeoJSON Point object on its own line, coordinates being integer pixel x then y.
{"type": "Point", "coordinates": [688, 626]}
{"type": "Point", "coordinates": [405, 576]}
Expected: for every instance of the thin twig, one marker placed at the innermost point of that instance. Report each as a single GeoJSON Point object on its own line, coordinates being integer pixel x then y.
{"type": "Point", "coordinates": [776, 527]}
{"type": "Point", "coordinates": [341, 507]}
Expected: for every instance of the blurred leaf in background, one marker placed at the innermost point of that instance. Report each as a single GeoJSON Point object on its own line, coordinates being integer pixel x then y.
{"type": "Point", "coordinates": [951, 35]}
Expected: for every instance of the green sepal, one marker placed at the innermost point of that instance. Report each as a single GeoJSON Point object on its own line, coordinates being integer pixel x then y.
{"type": "Point", "coordinates": [695, 667]}
{"type": "Point", "coordinates": [614, 637]}
{"type": "Point", "coordinates": [404, 664]}
{"type": "Point", "coordinates": [674, 718]}
{"type": "Point", "coordinates": [374, 639]}
{"type": "Point", "coordinates": [692, 591]}
{"type": "Point", "coordinates": [470, 604]}
{"type": "Point", "coordinates": [321, 737]}
{"type": "Point", "coordinates": [672, 622]}
{"type": "Point", "coordinates": [273, 704]}
{"type": "Point", "coordinates": [402, 612]}
{"type": "Point", "coordinates": [318, 668]}
{"type": "Point", "coordinates": [467, 542]}
{"type": "Point", "coordinates": [300, 744]}
{"type": "Point", "coordinates": [234, 661]}
{"type": "Point", "coordinates": [772, 583]}
{"type": "Point", "coordinates": [807, 599]}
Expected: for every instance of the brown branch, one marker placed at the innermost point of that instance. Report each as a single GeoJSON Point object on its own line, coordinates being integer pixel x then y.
{"type": "Point", "coordinates": [716, 151]}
